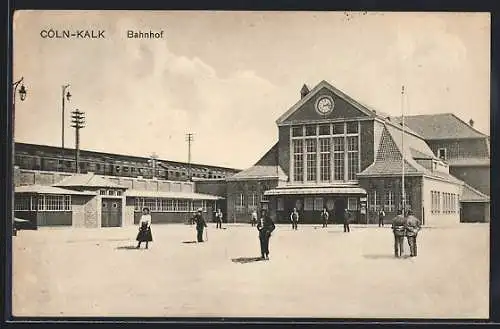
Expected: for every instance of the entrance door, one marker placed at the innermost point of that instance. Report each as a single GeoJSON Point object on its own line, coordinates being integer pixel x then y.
{"type": "Point", "coordinates": [111, 215]}
{"type": "Point", "coordinates": [338, 212]}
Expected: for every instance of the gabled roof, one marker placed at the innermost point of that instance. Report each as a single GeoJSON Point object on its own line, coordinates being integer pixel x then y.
{"type": "Point", "coordinates": [47, 189]}
{"type": "Point", "coordinates": [358, 105]}
{"type": "Point", "coordinates": [261, 173]}
{"type": "Point", "coordinates": [470, 194]}
{"type": "Point", "coordinates": [388, 161]}
{"type": "Point", "coordinates": [389, 158]}
{"type": "Point", "coordinates": [88, 180]}
{"type": "Point", "coordinates": [267, 167]}
{"type": "Point", "coordinates": [441, 126]}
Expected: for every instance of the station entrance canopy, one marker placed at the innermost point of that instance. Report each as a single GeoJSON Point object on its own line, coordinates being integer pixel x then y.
{"type": "Point", "coordinates": [316, 191]}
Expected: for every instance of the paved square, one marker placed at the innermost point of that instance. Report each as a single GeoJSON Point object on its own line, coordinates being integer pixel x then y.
{"type": "Point", "coordinates": [313, 272]}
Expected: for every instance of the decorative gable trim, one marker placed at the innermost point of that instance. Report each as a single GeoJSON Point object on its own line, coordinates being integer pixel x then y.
{"type": "Point", "coordinates": [323, 84]}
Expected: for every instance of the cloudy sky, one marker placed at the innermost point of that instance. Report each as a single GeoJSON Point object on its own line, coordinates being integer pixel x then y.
{"type": "Point", "coordinates": [228, 76]}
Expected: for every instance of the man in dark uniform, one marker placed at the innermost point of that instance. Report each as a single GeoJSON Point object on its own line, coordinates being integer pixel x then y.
{"type": "Point", "coordinates": [412, 229]}
{"type": "Point", "coordinates": [265, 226]}
{"type": "Point", "coordinates": [294, 218]}
{"type": "Point", "coordinates": [381, 215]}
{"type": "Point", "coordinates": [324, 217]}
{"type": "Point", "coordinates": [398, 228]}
{"type": "Point", "coordinates": [347, 217]}
{"type": "Point", "coordinates": [200, 224]}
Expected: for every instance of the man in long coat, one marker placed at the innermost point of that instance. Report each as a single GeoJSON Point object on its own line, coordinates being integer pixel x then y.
{"type": "Point", "coordinates": [200, 224]}
{"type": "Point", "coordinates": [265, 226]}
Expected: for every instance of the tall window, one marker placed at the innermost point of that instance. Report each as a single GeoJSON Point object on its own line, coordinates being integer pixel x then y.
{"type": "Point", "coordinates": [341, 139]}
{"type": "Point", "coordinates": [389, 201]}
{"type": "Point", "coordinates": [324, 150]}
{"type": "Point", "coordinates": [240, 202]}
{"type": "Point", "coordinates": [352, 157]}
{"type": "Point", "coordinates": [372, 201]}
{"type": "Point", "coordinates": [298, 160]}
{"type": "Point", "coordinates": [252, 201]}
{"type": "Point", "coordinates": [311, 159]}
{"type": "Point", "coordinates": [338, 158]}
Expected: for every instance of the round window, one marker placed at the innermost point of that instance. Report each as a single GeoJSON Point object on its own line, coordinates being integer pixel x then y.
{"type": "Point", "coordinates": [115, 205]}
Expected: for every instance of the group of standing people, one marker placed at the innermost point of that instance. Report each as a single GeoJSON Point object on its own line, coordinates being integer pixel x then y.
{"type": "Point", "coordinates": [346, 217]}
{"type": "Point", "coordinates": [408, 226]}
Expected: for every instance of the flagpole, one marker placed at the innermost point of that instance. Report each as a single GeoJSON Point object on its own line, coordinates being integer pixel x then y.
{"type": "Point", "coordinates": [403, 199]}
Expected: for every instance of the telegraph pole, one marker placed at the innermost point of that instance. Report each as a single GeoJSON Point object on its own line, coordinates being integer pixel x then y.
{"type": "Point", "coordinates": [189, 139]}
{"type": "Point", "coordinates": [78, 122]}
{"type": "Point", "coordinates": [152, 162]}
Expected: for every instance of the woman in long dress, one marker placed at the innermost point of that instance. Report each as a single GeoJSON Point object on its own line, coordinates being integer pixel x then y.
{"type": "Point", "coordinates": [144, 234]}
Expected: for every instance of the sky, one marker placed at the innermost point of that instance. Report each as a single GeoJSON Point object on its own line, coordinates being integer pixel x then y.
{"type": "Point", "coordinates": [227, 76]}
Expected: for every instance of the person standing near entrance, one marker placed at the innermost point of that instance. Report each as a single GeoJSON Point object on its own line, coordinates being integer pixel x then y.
{"type": "Point", "coordinates": [218, 219]}
{"type": "Point", "coordinates": [253, 220]}
{"type": "Point", "coordinates": [324, 217]}
{"type": "Point", "coordinates": [412, 228]}
{"type": "Point", "coordinates": [381, 215]}
{"type": "Point", "coordinates": [265, 227]}
{"type": "Point", "coordinates": [347, 218]}
{"type": "Point", "coordinates": [200, 224]}
{"type": "Point", "coordinates": [294, 218]}
{"type": "Point", "coordinates": [398, 229]}
{"type": "Point", "coordinates": [144, 234]}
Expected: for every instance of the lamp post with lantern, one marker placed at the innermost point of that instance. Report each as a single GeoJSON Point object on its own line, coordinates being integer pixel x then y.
{"type": "Point", "coordinates": [65, 95]}
{"type": "Point", "coordinates": [22, 96]}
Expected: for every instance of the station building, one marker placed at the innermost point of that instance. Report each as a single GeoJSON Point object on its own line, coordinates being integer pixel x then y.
{"type": "Point", "coordinates": [334, 152]}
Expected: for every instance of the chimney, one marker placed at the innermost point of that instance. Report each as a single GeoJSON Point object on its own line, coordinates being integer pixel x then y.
{"type": "Point", "coordinates": [471, 123]}
{"type": "Point", "coordinates": [304, 91]}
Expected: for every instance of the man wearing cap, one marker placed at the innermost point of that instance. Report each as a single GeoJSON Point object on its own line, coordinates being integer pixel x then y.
{"type": "Point", "coordinates": [294, 218]}
{"type": "Point", "coordinates": [412, 229]}
{"type": "Point", "coordinates": [200, 224]}
{"type": "Point", "coordinates": [265, 227]}
{"type": "Point", "coordinates": [398, 228]}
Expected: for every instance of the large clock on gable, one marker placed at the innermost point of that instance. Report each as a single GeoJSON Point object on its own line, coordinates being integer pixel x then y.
{"type": "Point", "coordinates": [324, 105]}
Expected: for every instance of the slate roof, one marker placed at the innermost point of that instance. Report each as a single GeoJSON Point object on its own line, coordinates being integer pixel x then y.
{"type": "Point", "coordinates": [260, 172]}
{"type": "Point", "coordinates": [47, 189]}
{"type": "Point", "coordinates": [469, 194]}
{"type": "Point", "coordinates": [388, 161]}
{"type": "Point", "coordinates": [469, 162]}
{"type": "Point", "coordinates": [87, 180]}
{"type": "Point", "coordinates": [441, 126]}
{"type": "Point", "coordinates": [266, 167]}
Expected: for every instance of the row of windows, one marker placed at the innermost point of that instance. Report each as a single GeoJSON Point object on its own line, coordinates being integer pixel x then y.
{"type": "Point", "coordinates": [53, 164]}
{"type": "Point", "coordinates": [111, 192]}
{"type": "Point", "coordinates": [320, 152]}
{"type": "Point", "coordinates": [249, 202]}
{"type": "Point", "coordinates": [444, 202]}
{"type": "Point", "coordinates": [43, 203]}
{"type": "Point", "coordinates": [388, 203]}
{"type": "Point", "coordinates": [327, 129]}
{"type": "Point", "coordinates": [169, 205]}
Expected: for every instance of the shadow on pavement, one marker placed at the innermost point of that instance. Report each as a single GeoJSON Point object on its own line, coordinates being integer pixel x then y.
{"type": "Point", "coordinates": [384, 256]}
{"type": "Point", "coordinates": [192, 241]}
{"type": "Point", "coordinates": [244, 260]}
{"type": "Point", "coordinates": [127, 248]}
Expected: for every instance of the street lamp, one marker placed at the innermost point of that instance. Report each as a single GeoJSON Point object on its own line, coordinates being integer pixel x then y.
{"type": "Point", "coordinates": [22, 96]}
{"type": "Point", "coordinates": [65, 95]}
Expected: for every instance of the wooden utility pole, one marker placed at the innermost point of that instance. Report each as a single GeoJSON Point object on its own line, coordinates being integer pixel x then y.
{"type": "Point", "coordinates": [78, 122]}
{"type": "Point", "coordinates": [189, 139]}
